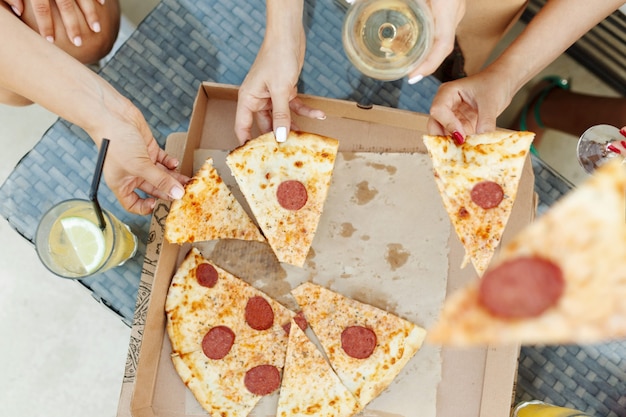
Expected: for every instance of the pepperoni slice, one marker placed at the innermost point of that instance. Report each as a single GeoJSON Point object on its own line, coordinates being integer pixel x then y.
{"type": "Point", "coordinates": [300, 321]}
{"type": "Point", "coordinates": [262, 379]}
{"type": "Point", "coordinates": [259, 313]}
{"type": "Point", "coordinates": [487, 194]}
{"type": "Point", "coordinates": [522, 287]}
{"type": "Point", "coordinates": [217, 342]}
{"type": "Point", "coordinates": [206, 275]}
{"type": "Point", "coordinates": [358, 341]}
{"type": "Point", "coordinates": [291, 195]}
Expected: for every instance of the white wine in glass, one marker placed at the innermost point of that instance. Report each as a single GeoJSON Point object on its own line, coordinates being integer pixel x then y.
{"type": "Point", "coordinates": [597, 146]}
{"type": "Point", "coordinates": [387, 39]}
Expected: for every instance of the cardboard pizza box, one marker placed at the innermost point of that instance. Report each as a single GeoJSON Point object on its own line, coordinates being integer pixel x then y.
{"type": "Point", "coordinates": [381, 154]}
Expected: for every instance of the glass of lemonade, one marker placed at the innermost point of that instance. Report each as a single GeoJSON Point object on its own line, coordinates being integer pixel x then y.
{"type": "Point", "coordinates": [541, 409]}
{"type": "Point", "coordinates": [387, 39]}
{"type": "Point", "coordinates": [71, 244]}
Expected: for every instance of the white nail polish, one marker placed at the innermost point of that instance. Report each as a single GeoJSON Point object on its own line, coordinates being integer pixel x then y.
{"type": "Point", "coordinates": [50, 39]}
{"type": "Point", "coordinates": [177, 193]}
{"type": "Point", "coordinates": [281, 134]}
{"type": "Point", "coordinates": [78, 41]}
{"type": "Point", "coordinates": [96, 27]}
{"type": "Point", "coordinates": [17, 12]}
{"type": "Point", "coordinates": [416, 79]}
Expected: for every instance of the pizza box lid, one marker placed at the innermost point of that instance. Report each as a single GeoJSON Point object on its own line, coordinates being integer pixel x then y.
{"type": "Point", "coordinates": [473, 382]}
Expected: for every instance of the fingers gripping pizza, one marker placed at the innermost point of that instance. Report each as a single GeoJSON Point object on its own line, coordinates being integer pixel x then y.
{"type": "Point", "coordinates": [562, 279]}
{"type": "Point", "coordinates": [208, 211]}
{"type": "Point", "coordinates": [367, 347]}
{"type": "Point", "coordinates": [286, 185]}
{"type": "Point", "coordinates": [478, 183]}
{"type": "Point", "coordinates": [228, 338]}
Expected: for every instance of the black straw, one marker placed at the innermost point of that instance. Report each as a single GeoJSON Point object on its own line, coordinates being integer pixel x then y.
{"type": "Point", "coordinates": [95, 183]}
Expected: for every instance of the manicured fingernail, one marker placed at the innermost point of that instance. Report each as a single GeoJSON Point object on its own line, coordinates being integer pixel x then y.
{"type": "Point", "coordinates": [416, 79]}
{"type": "Point", "coordinates": [96, 27]}
{"type": "Point", "coordinates": [623, 131]}
{"type": "Point", "coordinates": [50, 39]}
{"type": "Point", "coordinates": [101, 2]}
{"type": "Point", "coordinates": [458, 137]}
{"type": "Point", "coordinates": [78, 41]}
{"type": "Point", "coordinates": [321, 117]}
{"type": "Point", "coordinates": [17, 12]}
{"type": "Point", "coordinates": [612, 148]}
{"type": "Point", "coordinates": [623, 143]}
{"type": "Point", "coordinates": [177, 193]}
{"type": "Point", "coordinates": [281, 134]}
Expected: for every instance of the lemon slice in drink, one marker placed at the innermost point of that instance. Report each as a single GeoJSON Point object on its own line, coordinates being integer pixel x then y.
{"type": "Point", "coordinates": [87, 240]}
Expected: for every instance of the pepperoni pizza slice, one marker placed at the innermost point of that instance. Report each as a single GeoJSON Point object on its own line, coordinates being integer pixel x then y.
{"type": "Point", "coordinates": [562, 279]}
{"type": "Point", "coordinates": [228, 339]}
{"type": "Point", "coordinates": [478, 183]}
{"type": "Point", "coordinates": [208, 211]}
{"type": "Point", "coordinates": [298, 397]}
{"type": "Point", "coordinates": [359, 339]}
{"type": "Point", "coordinates": [285, 185]}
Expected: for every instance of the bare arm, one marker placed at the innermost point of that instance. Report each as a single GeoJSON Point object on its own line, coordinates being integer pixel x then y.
{"type": "Point", "coordinates": [473, 103]}
{"type": "Point", "coordinates": [32, 67]}
{"type": "Point", "coordinates": [270, 88]}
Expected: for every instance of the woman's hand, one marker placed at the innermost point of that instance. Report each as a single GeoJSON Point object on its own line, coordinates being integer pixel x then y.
{"type": "Point", "coordinates": [470, 105]}
{"type": "Point", "coordinates": [73, 13]}
{"type": "Point", "coordinates": [136, 162]}
{"type": "Point", "coordinates": [446, 15]}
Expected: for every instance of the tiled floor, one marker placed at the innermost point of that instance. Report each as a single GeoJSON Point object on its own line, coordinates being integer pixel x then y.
{"type": "Point", "coordinates": [63, 354]}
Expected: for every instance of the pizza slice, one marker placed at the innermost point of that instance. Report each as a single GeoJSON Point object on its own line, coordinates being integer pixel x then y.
{"type": "Point", "coordinates": [304, 363]}
{"type": "Point", "coordinates": [478, 183]}
{"type": "Point", "coordinates": [286, 185]}
{"type": "Point", "coordinates": [366, 346]}
{"type": "Point", "coordinates": [562, 279]}
{"type": "Point", "coordinates": [208, 211]}
{"type": "Point", "coordinates": [228, 338]}
{"type": "Point", "coordinates": [232, 384]}
{"type": "Point", "coordinates": [203, 298]}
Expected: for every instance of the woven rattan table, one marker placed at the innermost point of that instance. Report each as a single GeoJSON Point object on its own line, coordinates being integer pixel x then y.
{"type": "Point", "coordinates": [184, 42]}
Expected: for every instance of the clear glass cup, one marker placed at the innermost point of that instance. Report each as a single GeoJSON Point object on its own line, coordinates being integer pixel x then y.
{"type": "Point", "coordinates": [387, 39]}
{"type": "Point", "coordinates": [594, 146]}
{"type": "Point", "coordinates": [541, 409]}
{"type": "Point", "coordinates": [71, 244]}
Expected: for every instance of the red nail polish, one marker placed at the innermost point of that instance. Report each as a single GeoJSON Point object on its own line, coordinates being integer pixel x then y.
{"type": "Point", "coordinates": [623, 143]}
{"type": "Point", "coordinates": [458, 137]}
{"type": "Point", "coordinates": [623, 131]}
{"type": "Point", "coordinates": [612, 148]}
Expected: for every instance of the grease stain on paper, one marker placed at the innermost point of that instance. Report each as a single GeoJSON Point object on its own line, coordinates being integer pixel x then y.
{"type": "Point", "coordinates": [396, 256]}
{"type": "Point", "coordinates": [347, 230]}
{"type": "Point", "coordinates": [391, 170]}
{"type": "Point", "coordinates": [364, 194]}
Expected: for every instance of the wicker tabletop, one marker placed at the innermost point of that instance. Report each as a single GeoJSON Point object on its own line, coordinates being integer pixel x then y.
{"type": "Point", "coordinates": [184, 42]}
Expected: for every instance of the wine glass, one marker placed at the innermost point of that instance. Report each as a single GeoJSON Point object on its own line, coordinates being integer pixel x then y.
{"type": "Point", "coordinates": [597, 146]}
{"type": "Point", "coordinates": [387, 39]}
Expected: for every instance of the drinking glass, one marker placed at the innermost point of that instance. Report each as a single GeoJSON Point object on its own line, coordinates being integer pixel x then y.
{"type": "Point", "coordinates": [541, 409]}
{"type": "Point", "coordinates": [71, 243]}
{"type": "Point", "coordinates": [597, 146]}
{"type": "Point", "coordinates": [387, 39]}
